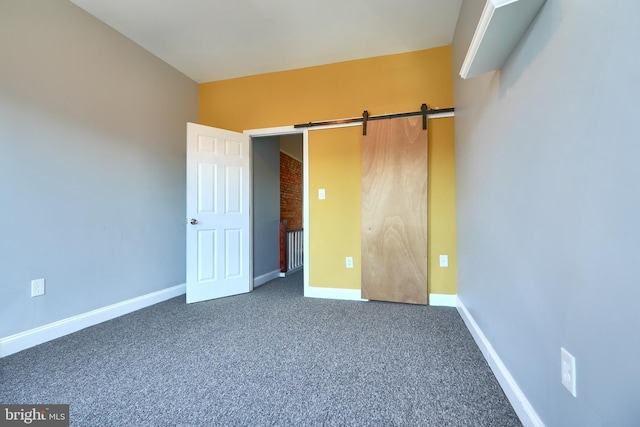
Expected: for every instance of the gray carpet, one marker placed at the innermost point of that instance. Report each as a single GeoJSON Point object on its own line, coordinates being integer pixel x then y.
{"type": "Point", "coordinates": [268, 358]}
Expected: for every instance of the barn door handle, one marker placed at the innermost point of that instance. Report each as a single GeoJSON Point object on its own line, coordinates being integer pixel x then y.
{"type": "Point", "coordinates": [193, 221]}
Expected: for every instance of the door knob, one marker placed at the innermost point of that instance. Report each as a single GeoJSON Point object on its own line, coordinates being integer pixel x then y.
{"type": "Point", "coordinates": [193, 221]}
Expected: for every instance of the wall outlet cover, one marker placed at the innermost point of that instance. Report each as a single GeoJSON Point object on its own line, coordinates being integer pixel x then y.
{"type": "Point", "coordinates": [568, 366]}
{"type": "Point", "coordinates": [37, 287]}
{"type": "Point", "coordinates": [349, 261]}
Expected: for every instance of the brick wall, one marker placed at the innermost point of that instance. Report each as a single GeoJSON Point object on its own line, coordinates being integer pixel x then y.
{"type": "Point", "coordinates": [290, 191]}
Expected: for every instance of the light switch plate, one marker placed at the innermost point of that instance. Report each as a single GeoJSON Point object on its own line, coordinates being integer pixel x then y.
{"type": "Point", "coordinates": [321, 194]}
{"type": "Point", "coordinates": [444, 260]}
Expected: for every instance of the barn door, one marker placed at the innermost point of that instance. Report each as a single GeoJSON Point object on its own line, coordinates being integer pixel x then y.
{"type": "Point", "coordinates": [394, 211]}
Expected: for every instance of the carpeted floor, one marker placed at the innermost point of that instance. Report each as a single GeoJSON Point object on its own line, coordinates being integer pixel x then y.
{"type": "Point", "coordinates": [267, 358]}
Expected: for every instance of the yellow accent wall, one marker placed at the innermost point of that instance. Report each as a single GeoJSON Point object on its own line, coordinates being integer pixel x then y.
{"type": "Point", "coordinates": [441, 206]}
{"type": "Point", "coordinates": [335, 223]}
{"type": "Point", "coordinates": [387, 84]}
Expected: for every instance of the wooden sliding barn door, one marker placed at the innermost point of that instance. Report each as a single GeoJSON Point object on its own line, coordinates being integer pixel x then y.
{"type": "Point", "coordinates": [394, 211]}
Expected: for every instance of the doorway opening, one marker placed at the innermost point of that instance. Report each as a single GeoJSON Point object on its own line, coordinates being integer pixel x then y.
{"type": "Point", "coordinates": [279, 203]}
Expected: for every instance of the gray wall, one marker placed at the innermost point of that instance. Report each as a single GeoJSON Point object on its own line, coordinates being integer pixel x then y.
{"type": "Point", "coordinates": [266, 205]}
{"type": "Point", "coordinates": [92, 165]}
{"type": "Point", "coordinates": [548, 207]}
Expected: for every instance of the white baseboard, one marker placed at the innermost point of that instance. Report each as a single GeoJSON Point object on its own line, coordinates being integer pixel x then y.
{"type": "Point", "coordinates": [517, 398]}
{"type": "Point", "coordinates": [333, 293]}
{"type": "Point", "coordinates": [443, 300]}
{"type": "Point", "coordinates": [23, 340]}
{"type": "Point", "coordinates": [264, 278]}
{"type": "Point", "coordinates": [291, 271]}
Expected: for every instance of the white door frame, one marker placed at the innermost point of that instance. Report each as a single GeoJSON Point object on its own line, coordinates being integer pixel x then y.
{"type": "Point", "coordinates": [288, 130]}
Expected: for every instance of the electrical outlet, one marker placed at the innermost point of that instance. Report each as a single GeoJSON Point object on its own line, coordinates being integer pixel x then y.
{"type": "Point", "coordinates": [37, 287]}
{"type": "Point", "coordinates": [444, 260]}
{"type": "Point", "coordinates": [349, 262]}
{"type": "Point", "coordinates": [568, 363]}
{"type": "Point", "coordinates": [321, 194]}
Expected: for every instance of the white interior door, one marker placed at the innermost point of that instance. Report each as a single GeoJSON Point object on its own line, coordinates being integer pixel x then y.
{"type": "Point", "coordinates": [218, 217]}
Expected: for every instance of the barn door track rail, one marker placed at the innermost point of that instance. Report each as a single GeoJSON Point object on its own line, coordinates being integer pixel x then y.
{"type": "Point", "coordinates": [424, 112]}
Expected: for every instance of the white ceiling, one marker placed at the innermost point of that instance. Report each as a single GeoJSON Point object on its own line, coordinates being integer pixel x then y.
{"type": "Point", "coordinates": [220, 39]}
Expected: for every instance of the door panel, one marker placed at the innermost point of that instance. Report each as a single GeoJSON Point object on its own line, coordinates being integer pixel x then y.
{"type": "Point", "coordinates": [233, 251]}
{"type": "Point", "coordinates": [218, 246]}
{"type": "Point", "coordinates": [207, 268]}
{"type": "Point", "coordinates": [207, 185]}
{"type": "Point", "coordinates": [394, 211]}
{"type": "Point", "coordinates": [233, 190]}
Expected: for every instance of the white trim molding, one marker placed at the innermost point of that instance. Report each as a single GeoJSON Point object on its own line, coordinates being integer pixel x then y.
{"type": "Point", "coordinates": [517, 398]}
{"type": "Point", "coordinates": [27, 339]}
{"type": "Point", "coordinates": [264, 278]}
{"type": "Point", "coordinates": [274, 131]}
{"type": "Point", "coordinates": [287, 130]}
{"type": "Point", "coordinates": [293, 270]}
{"type": "Point", "coordinates": [333, 293]}
{"type": "Point", "coordinates": [443, 300]}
